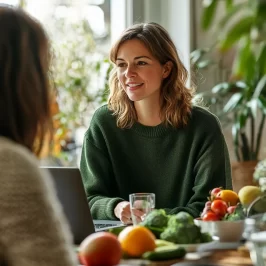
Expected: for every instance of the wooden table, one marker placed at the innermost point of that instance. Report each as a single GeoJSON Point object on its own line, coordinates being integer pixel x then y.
{"type": "Point", "coordinates": [239, 257]}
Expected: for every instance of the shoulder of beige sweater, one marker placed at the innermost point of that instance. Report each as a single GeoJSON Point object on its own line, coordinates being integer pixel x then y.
{"type": "Point", "coordinates": [19, 165]}
{"type": "Point", "coordinates": [16, 153]}
{"type": "Point", "coordinates": [14, 158]}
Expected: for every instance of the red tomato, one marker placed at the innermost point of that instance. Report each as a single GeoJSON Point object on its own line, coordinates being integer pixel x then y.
{"type": "Point", "coordinates": [215, 191]}
{"type": "Point", "coordinates": [210, 216]}
{"type": "Point", "coordinates": [219, 207]}
{"type": "Point", "coordinates": [231, 209]}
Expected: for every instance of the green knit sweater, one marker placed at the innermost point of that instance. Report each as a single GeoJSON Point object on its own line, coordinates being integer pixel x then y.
{"type": "Point", "coordinates": [180, 166]}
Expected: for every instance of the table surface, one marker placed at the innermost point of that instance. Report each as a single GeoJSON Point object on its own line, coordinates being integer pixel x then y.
{"type": "Point", "coordinates": [238, 257]}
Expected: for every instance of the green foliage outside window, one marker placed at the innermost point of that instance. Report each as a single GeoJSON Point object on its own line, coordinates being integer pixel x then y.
{"type": "Point", "coordinates": [80, 73]}
{"type": "Point", "coordinates": [243, 95]}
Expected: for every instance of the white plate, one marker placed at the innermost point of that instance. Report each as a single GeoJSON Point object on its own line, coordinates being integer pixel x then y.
{"type": "Point", "coordinates": [193, 247]}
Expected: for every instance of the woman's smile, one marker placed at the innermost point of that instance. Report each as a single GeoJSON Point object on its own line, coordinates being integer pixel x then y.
{"type": "Point", "coordinates": [134, 86]}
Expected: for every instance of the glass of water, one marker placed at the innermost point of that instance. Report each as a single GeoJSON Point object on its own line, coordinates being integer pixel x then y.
{"type": "Point", "coordinates": [140, 205]}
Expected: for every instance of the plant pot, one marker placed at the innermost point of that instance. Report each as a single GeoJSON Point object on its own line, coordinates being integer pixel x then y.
{"type": "Point", "coordinates": [242, 174]}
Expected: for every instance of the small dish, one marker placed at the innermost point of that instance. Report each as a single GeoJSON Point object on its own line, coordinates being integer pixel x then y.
{"type": "Point", "coordinates": [226, 231]}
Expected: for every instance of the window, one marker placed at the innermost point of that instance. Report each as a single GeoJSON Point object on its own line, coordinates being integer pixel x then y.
{"type": "Point", "coordinates": [80, 34]}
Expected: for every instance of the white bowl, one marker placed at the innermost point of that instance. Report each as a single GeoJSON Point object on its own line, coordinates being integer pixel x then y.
{"type": "Point", "coordinates": [226, 231]}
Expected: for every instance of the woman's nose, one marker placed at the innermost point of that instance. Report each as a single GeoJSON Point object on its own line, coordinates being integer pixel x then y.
{"type": "Point", "coordinates": [130, 72]}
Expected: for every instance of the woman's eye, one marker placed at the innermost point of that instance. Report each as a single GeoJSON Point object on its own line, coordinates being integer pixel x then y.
{"type": "Point", "coordinates": [121, 65]}
{"type": "Point", "coordinates": [142, 63]}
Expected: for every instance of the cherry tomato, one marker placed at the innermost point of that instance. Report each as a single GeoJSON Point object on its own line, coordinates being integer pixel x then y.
{"type": "Point", "coordinates": [215, 191]}
{"type": "Point", "coordinates": [231, 209]}
{"type": "Point", "coordinates": [219, 207]}
{"type": "Point", "coordinates": [210, 216]}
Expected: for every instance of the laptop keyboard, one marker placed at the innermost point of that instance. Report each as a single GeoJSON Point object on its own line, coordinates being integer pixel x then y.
{"type": "Point", "coordinates": [99, 226]}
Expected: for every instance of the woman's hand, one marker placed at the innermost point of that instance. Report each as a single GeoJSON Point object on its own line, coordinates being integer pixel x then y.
{"type": "Point", "coordinates": [122, 212]}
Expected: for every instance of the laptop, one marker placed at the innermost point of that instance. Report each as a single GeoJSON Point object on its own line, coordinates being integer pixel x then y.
{"type": "Point", "coordinates": [71, 194]}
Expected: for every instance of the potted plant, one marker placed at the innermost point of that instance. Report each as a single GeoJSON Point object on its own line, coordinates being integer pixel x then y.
{"type": "Point", "coordinates": [243, 94]}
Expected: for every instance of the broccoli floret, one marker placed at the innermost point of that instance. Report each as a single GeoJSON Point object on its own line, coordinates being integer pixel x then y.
{"type": "Point", "coordinates": [237, 215]}
{"type": "Point", "coordinates": [156, 218]}
{"type": "Point", "coordinates": [234, 217]}
{"type": "Point", "coordinates": [205, 237]}
{"type": "Point", "coordinates": [182, 234]}
{"type": "Point", "coordinates": [180, 218]}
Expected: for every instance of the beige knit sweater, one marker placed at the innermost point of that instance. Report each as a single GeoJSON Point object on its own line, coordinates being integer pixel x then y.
{"type": "Point", "coordinates": [33, 230]}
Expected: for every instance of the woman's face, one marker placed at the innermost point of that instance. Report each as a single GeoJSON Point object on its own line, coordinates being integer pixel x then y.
{"type": "Point", "coordinates": [139, 73]}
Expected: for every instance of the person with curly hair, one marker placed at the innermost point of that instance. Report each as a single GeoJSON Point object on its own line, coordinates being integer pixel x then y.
{"type": "Point", "coordinates": [150, 137]}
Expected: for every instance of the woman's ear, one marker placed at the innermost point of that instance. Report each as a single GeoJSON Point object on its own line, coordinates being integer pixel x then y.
{"type": "Point", "coordinates": [167, 69]}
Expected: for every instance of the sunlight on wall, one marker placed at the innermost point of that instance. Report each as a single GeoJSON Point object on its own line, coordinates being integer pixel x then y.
{"type": "Point", "coordinates": [9, 2]}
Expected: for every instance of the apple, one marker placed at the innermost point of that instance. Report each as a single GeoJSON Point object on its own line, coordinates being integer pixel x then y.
{"type": "Point", "coordinates": [101, 248]}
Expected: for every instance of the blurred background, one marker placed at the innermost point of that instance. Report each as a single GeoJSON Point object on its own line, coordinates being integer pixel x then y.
{"type": "Point", "coordinates": [221, 42]}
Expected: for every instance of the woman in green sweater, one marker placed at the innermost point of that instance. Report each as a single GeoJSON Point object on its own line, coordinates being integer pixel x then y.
{"type": "Point", "coordinates": [149, 137]}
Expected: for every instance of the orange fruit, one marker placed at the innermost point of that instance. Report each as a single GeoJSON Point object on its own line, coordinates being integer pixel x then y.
{"type": "Point", "coordinates": [136, 240]}
{"type": "Point", "coordinates": [229, 196]}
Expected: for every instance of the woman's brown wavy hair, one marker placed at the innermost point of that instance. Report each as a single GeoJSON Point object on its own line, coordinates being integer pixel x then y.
{"type": "Point", "coordinates": [176, 98]}
{"type": "Point", "coordinates": [24, 87]}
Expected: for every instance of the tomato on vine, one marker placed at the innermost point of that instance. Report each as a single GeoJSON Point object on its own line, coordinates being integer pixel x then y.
{"type": "Point", "coordinates": [219, 207]}
{"type": "Point", "coordinates": [210, 216]}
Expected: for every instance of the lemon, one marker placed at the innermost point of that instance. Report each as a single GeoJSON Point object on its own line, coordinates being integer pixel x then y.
{"type": "Point", "coordinates": [248, 194]}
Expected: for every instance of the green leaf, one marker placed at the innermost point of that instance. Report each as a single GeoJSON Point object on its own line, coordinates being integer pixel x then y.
{"type": "Point", "coordinates": [209, 9]}
{"type": "Point", "coordinates": [241, 85]}
{"type": "Point", "coordinates": [261, 86]}
{"type": "Point", "coordinates": [233, 102]}
{"type": "Point", "coordinates": [261, 10]}
{"type": "Point", "coordinates": [245, 62]}
{"type": "Point", "coordinates": [235, 134]}
{"type": "Point", "coordinates": [196, 55]}
{"type": "Point", "coordinates": [240, 29]}
{"type": "Point", "coordinates": [261, 61]}
{"type": "Point", "coordinates": [228, 4]}
{"type": "Point", "coordinates": [230, 14]}
{"type": "Point", "coordinates": [235, 131]}
{"type": "Point", "coordinates": [242, 119]}
{"type": "Point", "coordinates": [221, 88]}
{"type": "Point", "coordinates": [204, 64]}
{"type": "Point", "coordinates": [253, 105]}
{"type": "Point", "coordinates": [262, 104]}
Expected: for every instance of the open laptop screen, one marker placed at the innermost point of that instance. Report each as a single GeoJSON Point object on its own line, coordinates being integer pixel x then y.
{"type": "Point", "coordinates": [71, 194]}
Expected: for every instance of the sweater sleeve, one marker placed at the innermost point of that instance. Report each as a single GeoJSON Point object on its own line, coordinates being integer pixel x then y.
{"type": "Point", "coordinates": [99, 181]}
{"type": "Point", "coordinates": [33, 229]}
{"type": "Point", "coordinates": [211, 169]}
